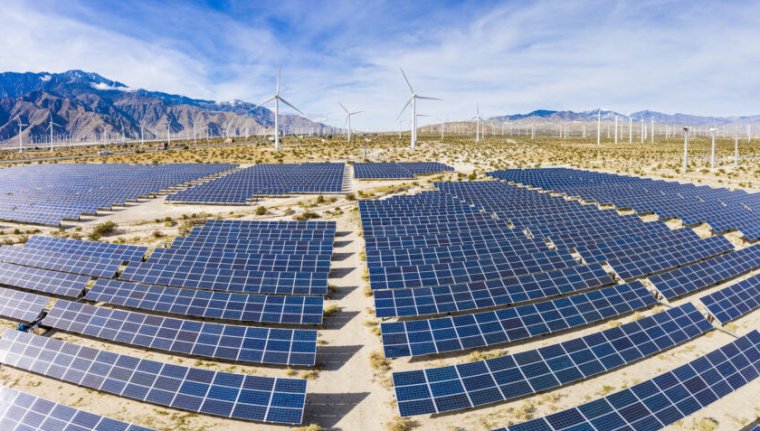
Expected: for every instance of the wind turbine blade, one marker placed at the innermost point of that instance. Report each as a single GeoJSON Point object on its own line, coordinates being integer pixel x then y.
{"type": "Point", "coordinates": [354, 113]}
{"type": "Point", "coordinates": [266, 101]}
{"type": "Point", "coordinates": [428, 98]}
{"type": "Point", "coordinates": [407, 80]}
{"type": "Point", "coordinates": [291, 105]}
{"type": "Point", "coordinates": [404, 108]}
{"type": "Point", "coordinates": [277, 89]}
{"type": "Point", "coordinates": [344, 108]}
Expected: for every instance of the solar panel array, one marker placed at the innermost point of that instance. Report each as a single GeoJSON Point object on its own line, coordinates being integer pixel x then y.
{"type": "Point", "coordinates": [473, 384]}
{"type": "Point", "coordinates": [735, 301]}
{"type": "Point", "coordinates": [390, 170]}
{"type": "Point", "coordinates": [20, 411]}
{"type": "Point", "coordinates": [689, 279]}
{"type": "Point", "coordinates": [59, 261]}
{"type": "Point", "coordinates": [665, 399]}
{"type": "Point", "coordinates": [246, 185]}
{"type": "Point", "coordinates": [507, 325]}
{"type": "Point", "coordinates": [296, 310]}
{"type": "Point", "coordinates": [244, 344]}
{"type": "Point", "coordinates": [123, 252]}
{"type": "Point", "coordinates": [721, 208]}
{"type": "Point", "coordinates": [21, 306]}
{"type": "Point", "coordinates": [215, 393]}
{"type": "Point", "coordinates": [219, 257]}
{"type": "Point", "coordinates": [43, 280]}
{"type": "Point", "coordinates": [49, 194]}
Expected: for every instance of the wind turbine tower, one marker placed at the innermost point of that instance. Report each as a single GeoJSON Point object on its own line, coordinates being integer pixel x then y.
{"type": "Point", "coordinates": [277, 99]}
{"type": "Point", "coordinates": [413, 101]}
{"type": "Point", "coordinates": [349, 114]}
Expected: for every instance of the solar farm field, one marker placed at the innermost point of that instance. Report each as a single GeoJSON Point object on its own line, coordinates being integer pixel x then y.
{"type": "Point", "coordinates": [520, 299]}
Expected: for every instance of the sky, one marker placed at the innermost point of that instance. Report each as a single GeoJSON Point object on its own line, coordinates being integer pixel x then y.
{"type": "Point", "coordinates": [696, 57]}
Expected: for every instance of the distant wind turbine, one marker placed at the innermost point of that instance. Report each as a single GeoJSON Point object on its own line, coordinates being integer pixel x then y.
{"type": "Point", "coordinates": [50, 127]}
{"type": "Point", "coordinates": [349, 114]}
{"type": "Point", "coordinates": [20, 129]}
{"type": "Point", "coordinates": [277, 99]}
{"type": "Point", "coordinates": [599, 127]}
{"type": "Point", "coordinates": [477, 119]}
{"type": "Point", "coordinates": [413, 101]}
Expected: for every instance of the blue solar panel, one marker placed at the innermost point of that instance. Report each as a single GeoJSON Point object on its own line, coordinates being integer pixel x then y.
{"type": "Point", "coordinates": [246, 185]}
{"type": "Point", "coordinates": [51, 193]}
{"type": "Point", "coordinates": [245, 344]}
{"type": "Point", "coordinates": [484, 294]}
{"type": "Point", "coordinates": [298, 310]}
{"type": "Point", "coordinates": [735, 301]}
{"type": "Point", "coordinates": [20, 411]}
{"type": "Point", "coordinates": [43, 280]}
{"type": "Point", "coordinates": [665, 399]}
{"type": "Point", "coordinates": [22, 306]}
{"type": "Point", "coordinates": [64, 262]}
{"type": "Point", "coordinates": [215, 393]}
{"type": "Point", "coordinates": [447, 334]}
{"type": "Point", "coordinates": [692, 278]}
{"type": "Point", "coordinates": [457, 387]}
{"type": "Point", "coordinates": [121, 252]}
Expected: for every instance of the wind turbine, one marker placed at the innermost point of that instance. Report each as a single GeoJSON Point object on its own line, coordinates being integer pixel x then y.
{"type": "Point", "coordinates": [413, 101]}
{"type": "Point", "coordinates": [20, 139]}
{"type": "Point", "coordinates": [50, 127]}
{"type": "Point", "coordinates": [349, 114]}
{"type": "Point", "coordinates": [599, 127]}
{"type": "Point", "coordinates": [277, 99]}
{"type": "Point", "coordinates": [477, 119]}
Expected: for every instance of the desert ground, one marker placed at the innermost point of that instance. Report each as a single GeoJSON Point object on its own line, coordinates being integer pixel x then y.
{"type": "Point", "coordinates": [350, 387]}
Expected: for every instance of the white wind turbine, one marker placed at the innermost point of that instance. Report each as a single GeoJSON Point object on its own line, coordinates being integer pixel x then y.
{"type": "Point", "coordinates": [477, 119]}
{"type": "Point", "coordinates": [413, 101]}
{"type": "Point", "coordinates": [20, 129]}
{"type": "Point", "coordinates": [277, 99]}
{"type": "Point", "coordinates": [50, 127]}
{"type": "Point", "coordinates": [349, 114]}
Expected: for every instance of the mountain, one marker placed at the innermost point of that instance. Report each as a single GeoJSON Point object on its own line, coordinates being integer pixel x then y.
{"type": "Point", "coordinates": [87, 106]}
{"type": "Point", "coordinates": [544, 115]}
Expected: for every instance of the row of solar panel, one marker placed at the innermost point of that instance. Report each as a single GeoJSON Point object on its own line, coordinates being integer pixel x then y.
{"type": "Point", "coordinates": [665, 399]}
{"type": "Point", "coordinates": [391, 170]}
{"type": "Point", "coordinates": [228, 395]}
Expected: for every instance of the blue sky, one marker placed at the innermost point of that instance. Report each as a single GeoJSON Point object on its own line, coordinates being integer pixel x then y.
{"type": "Point", "coordinates": [510, 56]}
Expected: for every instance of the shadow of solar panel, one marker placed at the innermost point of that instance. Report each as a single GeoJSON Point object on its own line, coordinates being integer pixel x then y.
{"type": "Point", "coordinates": [296, 310]}
{"type": "Point", "coordinates": [492, 293]}
{"type": "Point", "coordinates": [203, 339]}
{"type": "Point", "coordinates": [688, 279]}
{"type": "Point", "coordinates": [473, 384]}
{"type": "Point", "coordinates": [20, 411]}
{"type": "Point", "coordinates": [735, 301]}
{"type": "Point", "coordinates": [43, 280]}
{"type": "Point", "coordinates": [665, 399]}
{"type": "Point", "coordinates": [129, 253]}
{"type": "Point", "coordinates": [448, 334]}
{"type": "Point", "coordinates": [64, 262]}
{"type": "Point", "coordinates": [215, 393]}
{"type": "Point", "coordinates": [21, 306]}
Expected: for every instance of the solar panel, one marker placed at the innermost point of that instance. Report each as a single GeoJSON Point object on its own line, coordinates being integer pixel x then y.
{"type": "Point", "coordinates": [215, 393]}
{"type": "Point", "coordinates": [665, 399]}
{"type": "Point", "coordinates": [21, 306]}
{"type": "Point", "coordinates": [20, 411]}
{"type": "Point", "coordinates": [448, 334]}
{"type": "Point", "coordinates": [43, 280]}
{"type": "Point", "coordinates": [473, 384]}
{"type": "Point", "coordinates": [244, 344]}
{"type": "Point", "coordinates": [484, 294]}
{"type": "Point", "coordinates": [49, 194]}
{"type": "Point", "coordinates": [130, 253]}
{"type": "Point", "coordinates": [692, 278]}
{"type": "Point", "coordinates": [735, 301]}
{"type": "Point", "coordinates": [297, 310]}
{"type": "Point", "coordinates": [64, 262]}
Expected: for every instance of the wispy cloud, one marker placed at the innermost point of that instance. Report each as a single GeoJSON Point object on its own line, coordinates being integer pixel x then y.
{"type": "Point", "coordinates": [511, 56]}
